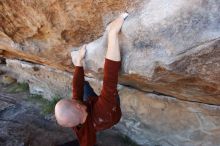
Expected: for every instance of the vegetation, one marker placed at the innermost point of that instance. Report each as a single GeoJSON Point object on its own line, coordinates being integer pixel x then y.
{"type": "Point", "coordinates": [18, 87]}
{"type": "Point", "coordinates": [47, 106]}
{"type": "Point", "coordinates": [50, 105]}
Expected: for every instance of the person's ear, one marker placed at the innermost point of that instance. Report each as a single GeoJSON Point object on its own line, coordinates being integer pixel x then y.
{"type": "Point", "coordinates": [78, 105]}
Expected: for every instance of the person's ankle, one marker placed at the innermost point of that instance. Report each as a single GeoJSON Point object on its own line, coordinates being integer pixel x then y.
{"type": "Point", "coordinates": [112, 33]}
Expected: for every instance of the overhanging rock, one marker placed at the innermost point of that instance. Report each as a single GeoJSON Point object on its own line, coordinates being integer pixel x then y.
{"type": "Point", "coordinates": [147, 118]}
{"type": "Point", "coordinates": [169, 48]}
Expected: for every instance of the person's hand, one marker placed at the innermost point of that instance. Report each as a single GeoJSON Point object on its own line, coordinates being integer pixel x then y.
{"type": "Point", "coordinates": [78, 56]}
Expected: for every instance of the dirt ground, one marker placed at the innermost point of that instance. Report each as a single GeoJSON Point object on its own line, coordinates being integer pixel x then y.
{"type": "Point", "coordinates": [22, 122]}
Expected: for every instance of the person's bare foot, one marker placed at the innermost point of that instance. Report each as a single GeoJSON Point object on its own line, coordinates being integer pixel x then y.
{"type": "Point", "coordinates": [115, 26]}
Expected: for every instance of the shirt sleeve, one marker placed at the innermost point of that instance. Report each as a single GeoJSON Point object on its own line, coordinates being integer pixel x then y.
{"type": "Point", "coordinates": [110, 81]}
{"type": "Point", "coordinates": [78, 83]}
{"type": "Point", "coordinates": [106, 110]}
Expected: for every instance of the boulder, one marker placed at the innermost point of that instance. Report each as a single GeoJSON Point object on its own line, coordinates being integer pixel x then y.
{"type": "Point", "coordinates": [170, 74]}
{"type": "Point", "coordinates": [44, 31]}
{"type": "Point", "coordinates": [147, 118]}
{"type": "Point", "coordinates": [169, 48]}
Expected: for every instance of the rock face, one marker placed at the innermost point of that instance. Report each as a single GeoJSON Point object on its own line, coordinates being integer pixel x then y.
{"type": "Point", "coordinates": [171, 48]}
{"type": "Point", "coordinates": [23, 123]}
{"type": "Point", "coordinates": [170, 75]}
{"type": "Point", "coordinates": [42, 80]}
{"type": "Point", "coordinates": [192, 76]}
{"type": "Point", "coordinates": [148, 119]}
{"type": "Point", "coordinates": [44, 31]}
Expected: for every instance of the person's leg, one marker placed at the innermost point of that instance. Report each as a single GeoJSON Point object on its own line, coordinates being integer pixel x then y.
{"type": "Point", "coordinates": [88, 91]}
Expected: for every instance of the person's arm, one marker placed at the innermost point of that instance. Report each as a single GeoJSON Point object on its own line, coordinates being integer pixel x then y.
{"type": "Point", "coordinates": [110, 80]}
{"type": "Point", "coordinates": [78, 83]}
{"type": "Point", "coordinates": [111, 69]}
{"type": "Point", "coordinates": [106, 110]}
{"type": "Point", "coordinates": [78, 75]}
{"type": "Point", "coordinates": [113, 51]}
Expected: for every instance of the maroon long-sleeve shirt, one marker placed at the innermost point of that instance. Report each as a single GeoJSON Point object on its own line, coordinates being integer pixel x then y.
{"type": "Point", "coordinates": [104, 110]}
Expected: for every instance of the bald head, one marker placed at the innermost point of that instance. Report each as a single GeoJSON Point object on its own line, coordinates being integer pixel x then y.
{"type": "Point", "coordinates": [70, 113]}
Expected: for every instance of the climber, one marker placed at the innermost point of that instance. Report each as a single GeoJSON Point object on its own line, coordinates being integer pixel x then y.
{"type": "Point", "coordinates": [86, 112]}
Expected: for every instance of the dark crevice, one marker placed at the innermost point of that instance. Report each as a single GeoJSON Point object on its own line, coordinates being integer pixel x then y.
{"type": "Point", "coordinates": [35, 68]}
{"type": "Point", "coordinates": [153, 92]}
{"type": "Point", "coordinates": [28, 61]}
{"type": "Point", "coordinates": [2, 60]}
{"type": "Point", "coordinates": [163, 94]}
{"type": "Point", "coordinates": [198, 45]}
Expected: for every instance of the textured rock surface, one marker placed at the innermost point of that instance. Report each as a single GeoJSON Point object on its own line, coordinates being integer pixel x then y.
{"type": "Point", "coordinates": [170, 55]}
{"type": "Point", "coordinates": [148, 119]}
{"type": "Point", "coordinates": [192, 76]}
{"type": "Point", "coordinates": [167, 47]}
{"type": "Point", "coordinates": [44, 31]}
{"type": "Point", "coordinates": [23, 124]}
{"type": "Point", "coordinates": [41, 79]}
{"type": "Point", "coordinates": [171, 48]}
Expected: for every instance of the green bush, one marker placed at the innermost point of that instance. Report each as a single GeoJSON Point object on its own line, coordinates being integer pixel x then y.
{"type": "Point", "coordinates": [47, 106]}
{"type": "Point", "coordinates": [36, 98]}
{"type": "Point", "coordinates": [18, 87]}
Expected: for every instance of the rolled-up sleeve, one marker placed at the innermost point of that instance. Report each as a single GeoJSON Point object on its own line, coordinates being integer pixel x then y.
{"type": "Point", "coordinates": [110, 80]}
{"type": "Point", "coordinates": [78, 83]}
{"type": "Point", "coordinates": [106, 110]}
